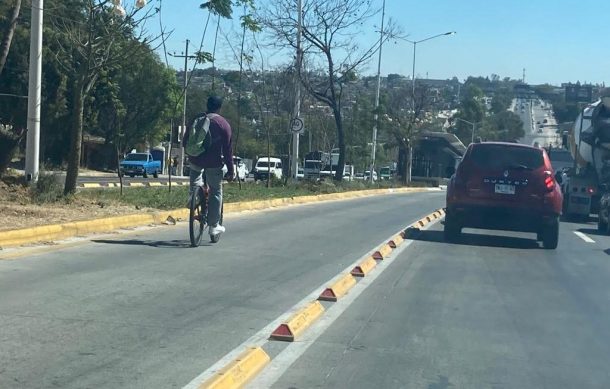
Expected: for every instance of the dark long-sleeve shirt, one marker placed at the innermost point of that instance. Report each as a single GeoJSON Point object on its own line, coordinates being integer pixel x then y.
{"type": "Point", "coordinates": [220, 150]}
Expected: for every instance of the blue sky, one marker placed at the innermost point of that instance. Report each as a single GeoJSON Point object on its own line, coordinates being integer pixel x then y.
{"type": "Point", "coordinates": [556, 41]}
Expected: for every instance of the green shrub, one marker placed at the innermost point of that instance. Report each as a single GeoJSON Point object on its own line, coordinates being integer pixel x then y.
{"type": "Point", "coordinates": [48, 189]}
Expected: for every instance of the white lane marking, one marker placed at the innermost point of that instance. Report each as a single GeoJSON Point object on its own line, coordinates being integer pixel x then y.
{"type": "Point", "coordinates": [584, 237]}
{"type": "Point", "coordinates": [262, 337]}
{"type": "Point", "coordinates": [281, 363]}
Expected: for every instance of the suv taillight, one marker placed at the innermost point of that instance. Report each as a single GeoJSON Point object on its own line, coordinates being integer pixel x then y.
{"type": "Point", "coordinates": [549, 183]}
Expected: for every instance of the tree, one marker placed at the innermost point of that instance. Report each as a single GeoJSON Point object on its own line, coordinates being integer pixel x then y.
{"type": "Point", "coordinates": [95, 44]}
{"type": "Point", "coordinates": [329, 29]}
{"type": "Point", "coordinates": [405, 117]}
{"type": "Point", "coordinates": [7, 33]}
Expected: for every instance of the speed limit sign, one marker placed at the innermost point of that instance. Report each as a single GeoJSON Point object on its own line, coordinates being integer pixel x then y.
{"type": "Point", "coordinates": [296, 125]}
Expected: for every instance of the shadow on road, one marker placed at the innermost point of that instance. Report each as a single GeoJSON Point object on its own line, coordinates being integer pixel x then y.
{"type": "Point", "coordinates": [151, 243]}
{"type": "Point", "coordinates": [474, 239]}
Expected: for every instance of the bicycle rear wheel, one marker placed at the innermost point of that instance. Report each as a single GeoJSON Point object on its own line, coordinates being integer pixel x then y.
{"type": "Point", "coordinates": [197, 216]}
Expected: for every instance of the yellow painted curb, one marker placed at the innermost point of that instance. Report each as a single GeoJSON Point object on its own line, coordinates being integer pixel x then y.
{"type": "Point", "coordinates": [136, 184]}
{"type": "Point", "coordinates": [91, 185]}
{"type": "Point", "coordinates": [239, 372]}
{"type": "Point", "coordinates": [299, 322]}
{"type": "Point", "coordinates": [396, 241]}
{"type": "Point", "coordinates": [383, 251]}
{"type": "Point", "coordinates": [67, 230]}
{"type": "Point", "coordinates": [338, 289]}
{"type": "Point", "coordinates": [155, 184]}
{"type": "Point", "coordinates": [364, 267]}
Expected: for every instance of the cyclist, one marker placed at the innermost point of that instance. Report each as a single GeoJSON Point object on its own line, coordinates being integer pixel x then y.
{"type": "Point", "coordinates": [211, 162]}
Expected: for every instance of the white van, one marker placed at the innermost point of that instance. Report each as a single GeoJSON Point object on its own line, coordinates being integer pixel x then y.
{"type": "Point", "coordinates": [265, 166]}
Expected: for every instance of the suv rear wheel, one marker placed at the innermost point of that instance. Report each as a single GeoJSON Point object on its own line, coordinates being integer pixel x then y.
{"type": "Point", "coordinates": [452, 229]}
{"type": "Point", "coordinates": [550, 235]}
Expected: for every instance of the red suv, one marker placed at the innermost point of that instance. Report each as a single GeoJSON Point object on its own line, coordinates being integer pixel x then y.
{"type": "Point", "coordinates": [504, 186]}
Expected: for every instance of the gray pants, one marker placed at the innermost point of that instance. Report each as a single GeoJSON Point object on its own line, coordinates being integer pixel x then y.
{"type": "Point", "coordinates": [214, 179]}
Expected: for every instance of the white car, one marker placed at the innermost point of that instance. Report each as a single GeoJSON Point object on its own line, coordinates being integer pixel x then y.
{"type": "Point", "coordinates": [367, 175]}
{"type": "Point", "coordinates": [241, 170]}
{"type": "Point", "coordinates": [265, 166]}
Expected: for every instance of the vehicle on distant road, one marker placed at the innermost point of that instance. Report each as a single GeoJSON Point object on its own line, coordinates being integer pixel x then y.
{"type": "Point", "coordinates": [386, 173]}
{"type": "Point", "coordinates": [359, 176]}
{"type": "Point", "coordinates": [367, 175]}
{"type": "Point", "coordinates": [241, 170]}
{"type": "Point", "coordinates": [504, 186]}
{"type": "Point", "coordinates": [139, 164]}
{"type": "Point", "coordinates": [267, 165]}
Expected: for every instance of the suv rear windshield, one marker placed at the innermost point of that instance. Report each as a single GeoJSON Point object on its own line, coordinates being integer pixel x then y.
{"type": "Point", "coordinates": [502, 157]}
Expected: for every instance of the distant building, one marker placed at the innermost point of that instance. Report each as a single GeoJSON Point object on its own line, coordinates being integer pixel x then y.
{"type": "Point", "coordinates": [577, 93]}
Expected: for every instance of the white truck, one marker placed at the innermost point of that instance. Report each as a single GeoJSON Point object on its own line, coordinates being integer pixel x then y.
{"type": "Point", "coordinates": [315, 163]}
{"type": "Point", "coordinates": [589, 143]}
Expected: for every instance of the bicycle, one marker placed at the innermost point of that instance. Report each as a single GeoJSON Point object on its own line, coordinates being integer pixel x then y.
{"type": "Point", "coordinates": [198, 213]}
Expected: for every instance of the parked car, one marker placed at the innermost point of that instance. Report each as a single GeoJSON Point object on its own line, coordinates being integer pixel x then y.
{"type": "Point", "coordinates": [139, 164]}
{"type": "Point", "coordinates": [504, 186]}
{"type": "Point", "coordinates": [359, 176]}
{"type": "Point", "coordinates": [265, 166]}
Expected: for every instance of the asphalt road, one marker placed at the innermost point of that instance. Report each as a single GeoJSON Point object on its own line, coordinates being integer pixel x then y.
{"type": "Point", "coordinates": [144, 310]}
{"type": "Point", "coordinates": [530, 116]}
{"type": "Point", "coordinates": [493, 311]}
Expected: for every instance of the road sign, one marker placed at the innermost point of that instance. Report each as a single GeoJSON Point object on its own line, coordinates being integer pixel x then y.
{"type": "Point", "coordinates": [296, 125]}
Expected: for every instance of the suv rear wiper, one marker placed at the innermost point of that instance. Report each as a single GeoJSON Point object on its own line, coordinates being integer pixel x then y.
{"type": "Point", "coordinates": [519, 167]}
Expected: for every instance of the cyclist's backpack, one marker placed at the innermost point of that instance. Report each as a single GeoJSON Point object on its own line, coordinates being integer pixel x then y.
{"type": "Point", "coordinates": [199, 139]}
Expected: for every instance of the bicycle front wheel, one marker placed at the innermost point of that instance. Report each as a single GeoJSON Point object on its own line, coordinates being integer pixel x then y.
{"type": "Point", "coordinates": [197, 216]}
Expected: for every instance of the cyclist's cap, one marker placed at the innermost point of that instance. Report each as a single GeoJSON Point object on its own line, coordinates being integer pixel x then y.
{"type": "Point", "coordinates": [214, 103]}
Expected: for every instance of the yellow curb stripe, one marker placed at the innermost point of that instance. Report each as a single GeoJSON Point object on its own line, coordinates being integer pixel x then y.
{"type": "Point", "coordinates": [91, 185]}
{"type": "Point", "coordinates": [299, 322]}
{"type": "Point", "coordinates": [338, 289]}
{"type": "Point", "coordinates": [364, 267]}
{"type": "Point", "coordinates": [397, 240]}
{"type": "Point", "coordinates": [155, 184]}
{"type": "Point", "coordinates": [67, 230]}
{"type": "Point", "coordinates": [240, 371]}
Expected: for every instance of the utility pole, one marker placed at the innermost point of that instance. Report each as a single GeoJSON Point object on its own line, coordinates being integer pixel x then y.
{"type": "Point", "coordinates": [32, 149]}
{"type": "Point", "coordinates": [376, 117]}
{"type": "Point", "coordinates": [185, 85]}
{"type": "Point", "coordinates": [296, 131]}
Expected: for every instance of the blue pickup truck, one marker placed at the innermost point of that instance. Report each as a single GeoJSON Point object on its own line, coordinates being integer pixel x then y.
{"type": "Point", "coordinates": [140, 164]}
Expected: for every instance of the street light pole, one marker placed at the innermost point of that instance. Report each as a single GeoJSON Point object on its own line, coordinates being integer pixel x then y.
{"type": "Point", "coordinates": [32, 148]}
{"type": "Point", "coordinates": [473, 127]}
{"type": "Point", "coordinates": [414, 48]}
{"type": "Point", "coordinates": [297, 94]}
{"type": "Point", "coordinates": [376, 117]}
{"type": "Point", "coordinates": [413, 74]}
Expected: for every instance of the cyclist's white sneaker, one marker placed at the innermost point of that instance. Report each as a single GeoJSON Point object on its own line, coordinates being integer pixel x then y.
{"type": "Point", "coordinates": [217, 230]}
